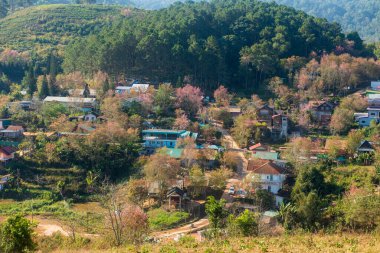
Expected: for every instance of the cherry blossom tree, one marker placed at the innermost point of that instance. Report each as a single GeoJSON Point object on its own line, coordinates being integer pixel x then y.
{"type": "Point", "coordinates": [127, 222]}
{"type": "Point", "coordinates": [189, 99]}
{"type": "Point", "coordinates": [222, 97]}
{"type": "Point", "coordinates": [182, 121]}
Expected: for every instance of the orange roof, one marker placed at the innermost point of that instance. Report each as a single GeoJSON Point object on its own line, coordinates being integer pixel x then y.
{"type": "Point", "coordinates": [15, 128]}
{"type": "Point", "coordinates": [256, 163]}
{"type": "Point", "coordinates": [258, 145]}
{"type": "Point", "coordinates": [269, 168]}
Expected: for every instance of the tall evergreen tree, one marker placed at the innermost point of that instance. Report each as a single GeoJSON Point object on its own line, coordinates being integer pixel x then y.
{"type": "Point", "coordinates": [53, 74]}
{"type": "Point", "coordinates": [29, 81]}
{"type": "Point", "coordinates": [86, 91]}
{"type": "Point", "coordinates": [44, 89]}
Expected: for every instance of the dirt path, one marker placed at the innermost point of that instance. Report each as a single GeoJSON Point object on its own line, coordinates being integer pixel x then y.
{"type": "Point", "coordinates": [188, 229]}
{"type": "Point", "coordinates": [50, 229]}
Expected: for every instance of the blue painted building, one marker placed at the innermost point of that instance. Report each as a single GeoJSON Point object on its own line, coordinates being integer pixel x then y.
{"type": "Point", "coordinates": [158, 138]}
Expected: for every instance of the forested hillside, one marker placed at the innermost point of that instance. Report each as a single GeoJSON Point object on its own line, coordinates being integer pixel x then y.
{"type": "Point", "coordinates": [354, 15]}
{"type": "Point", "coordinates": [51, 25]}
{"type": "Point", "coordinates": [230, 42]}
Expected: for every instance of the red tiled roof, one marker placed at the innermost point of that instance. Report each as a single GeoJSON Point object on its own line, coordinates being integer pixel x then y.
{"type": "Point", "coordinates": [269, 168]}
{"type": "Point", "coordinates": [258, 145]}
{"type": "Point", "coordinates": [7, 150]}
{"type": "Point", "coordinates": [256, 163]}
{"type": "Point", "coordinates": [15, 128]}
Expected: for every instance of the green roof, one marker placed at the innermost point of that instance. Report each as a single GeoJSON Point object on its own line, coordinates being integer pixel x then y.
{"type": "Point", "coordinates": [179, 133]}
{"type": "Point", "coordinates": [174, 152]}
{"type": "Point", "coordinates": [266, 155]}
{"type": "Point", "coordinates": [164, 131]}
{"type": "Point", "coordinates": [372, 92]}
{"type": "Point", "coordinates": [9, 143]}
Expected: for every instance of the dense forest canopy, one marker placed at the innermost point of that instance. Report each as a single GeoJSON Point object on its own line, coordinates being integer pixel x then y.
{"type": "Point", "coordinates": [238, 43]}
{"type": "Point", "coordinates": [354, 15]}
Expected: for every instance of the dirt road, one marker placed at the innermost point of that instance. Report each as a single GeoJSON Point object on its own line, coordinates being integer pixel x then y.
{"type": "Point", "coordinates": [188, 229]}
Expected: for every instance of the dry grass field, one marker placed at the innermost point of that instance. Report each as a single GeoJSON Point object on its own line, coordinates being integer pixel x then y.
{"type": "Point", "coordinates": [305, 243]}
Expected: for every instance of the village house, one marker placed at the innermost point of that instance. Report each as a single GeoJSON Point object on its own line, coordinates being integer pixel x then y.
{"type": "Point", "coordinates": [364, 119]}
{"type": "Point", "coordinates": [176, 197]}
{"type": "Point", "coordinates": [7, 153]}
{"type": "Point", "coordinates": [373, 100]}
{"type": "Point", "coordinates": [267, 175]}
{"type": "Point", "coordinates": [12, 132]}
{"type": "Point", "coordinates": [375, 85]}
{"type": "Point", "coordinates": [84, 104]}
{"type": "Point", "coordinates": [279, 126]}
{"type": "Point", "coordinates": [158, 138]}
{"type": "Point", "coordinates": [365, 147]}
{"type": "Point", "coordinates": [264, 114]}
{"type": "Point", "coordinates": [135, 88]}
{"type": "Point", "coordinates": [321, 111]}
{"type": "Point", "coordinates": [87, 117]}
{"type": "Point", "coordinates": [4, 179]}
{"type": "Point", "coordinates": [234, 111]}
{"type": "Point", "coordinates": [24, 105]}
{"type": "Point", "coordinates": [258, 147]}
{"type": "Point", "coordinates": [275, 120]}
{"type": "Point", "coordinates": [267, 155]}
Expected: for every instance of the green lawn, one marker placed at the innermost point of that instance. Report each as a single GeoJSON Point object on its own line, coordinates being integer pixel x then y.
{"type": "Point", "coordinates": [161, 219]}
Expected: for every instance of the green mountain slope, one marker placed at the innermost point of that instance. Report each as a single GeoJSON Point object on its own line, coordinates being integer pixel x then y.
{"type": "Point", "coordinates": [53, 25]}
{"type": "Point", "coordinates": [222, 41]}
{"type": "Point", "coordinates": [354, 15]}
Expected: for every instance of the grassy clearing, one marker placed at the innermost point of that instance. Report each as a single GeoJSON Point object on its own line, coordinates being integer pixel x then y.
{"type": "Point", "coordinates": [161, 219]}
{"type": "Point", "coordinates": [89, 207]}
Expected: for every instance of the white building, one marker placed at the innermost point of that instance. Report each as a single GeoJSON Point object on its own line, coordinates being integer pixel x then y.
{"type": "Point", "coordinates": [279, 126]}
{"type": "Point", "coordinates": [136, 88]}
{"type": "Point", "coordinates": [375, 85]}
{"type": "Point", "coordinates": [85, 104]}
{"type": "Point", "coordinates": [268, 176]}
{"type": "Point", "coordinates": [364, 119]}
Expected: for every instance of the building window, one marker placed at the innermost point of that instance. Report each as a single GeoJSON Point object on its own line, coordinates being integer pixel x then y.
{"type": "Point", "coordinates": [271, 177]}
{"type": "Point", "coordinates": [269, 188]}
{"type": "Point", "coordinates": [373, 114]}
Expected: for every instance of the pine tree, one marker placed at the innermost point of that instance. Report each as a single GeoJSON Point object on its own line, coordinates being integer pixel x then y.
{"type": "Point", "coordinates": [106, 86]}
{"type": "Point", "coordinates": [53, 74]}
{"type": "Point", "coordinates": [29, 81]}
{"type": "Point", "coordinates": [86, 91]}
{"type": "Point", "coordinates": [44, 89]}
